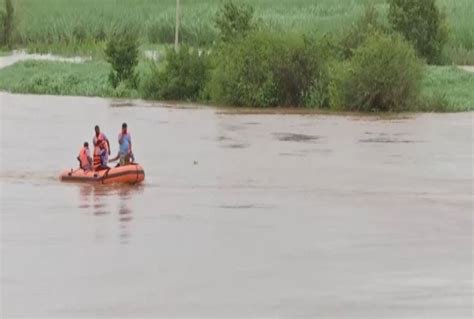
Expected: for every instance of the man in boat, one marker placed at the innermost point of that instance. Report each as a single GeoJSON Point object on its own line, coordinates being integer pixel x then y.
{"type": "Point", "coordinates": [101, 149]}
{"type": "Point", "coordinates": [84, 158]}
{"type": "Point", "coordinates": [125, 154]}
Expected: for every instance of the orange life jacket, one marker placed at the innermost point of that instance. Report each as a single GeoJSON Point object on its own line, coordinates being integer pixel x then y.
{"type": "Point", "coordinates": [101, 144]}
{"type": "Point", "coordinates": [83, 158]}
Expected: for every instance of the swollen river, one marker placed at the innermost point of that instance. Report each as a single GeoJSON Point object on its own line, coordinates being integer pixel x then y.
{"type": "Point", "coordinates": [242, 215]}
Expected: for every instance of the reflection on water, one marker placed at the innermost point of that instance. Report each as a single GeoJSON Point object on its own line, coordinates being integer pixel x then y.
{"type": "Point", "coordinates": [102, 200]}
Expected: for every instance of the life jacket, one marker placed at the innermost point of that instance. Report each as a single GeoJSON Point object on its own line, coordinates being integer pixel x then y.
{"type": "Point", "coordinates": [101, 145]}
{"type": "Point", "coordinates": [83, 158]}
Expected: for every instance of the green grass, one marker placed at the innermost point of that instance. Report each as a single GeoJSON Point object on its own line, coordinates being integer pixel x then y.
{"type": "Point", "coordinates": [64, 78]}
{"type": "Point", "coordinates": [444, 89]}
{"type": "Point", "coordinates": [81, 25]}
{"type": "Point", "coordinates": [448, 89]}
{"type": "Point", "coordinates": [57, 78]}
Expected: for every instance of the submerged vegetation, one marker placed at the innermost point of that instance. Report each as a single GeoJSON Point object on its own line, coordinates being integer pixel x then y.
{"type": "Point", "coordinates": [242, 56]}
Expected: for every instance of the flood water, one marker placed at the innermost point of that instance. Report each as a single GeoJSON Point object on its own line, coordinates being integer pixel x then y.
{"type": "Point", "coordinates": [245, 215]}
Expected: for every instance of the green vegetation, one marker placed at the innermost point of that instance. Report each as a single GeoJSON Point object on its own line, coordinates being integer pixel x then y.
{"type": "Point", "coordinates": [6, 26]}
{"type": "Point", "coordinates": [265, 69]}
{"type": "Point", "coordinates": [122, 54]}
{"type": "Point", "coordinates": [367, 66]}
{"type": "Point", "coordinates": [62, 78]}
{"type": "Point", "coordinates": [182, 78]}
{"type": "Point", "coordinates": [234, 21]}
{"type": "Point", "coordinates": [443, 89]}
{"type": "Point", "coordinates": [447, 89]}
{"type": "Point", "coordinates": [356, 34]}
{"type": "Point", "coordinates": [383, 75]}
{"type": "Point", "coordinates": [82, 25]}
{"type": "Point", "coordinates": [422, 23]}
{"type": "Point", "coordinates": [41, 77]}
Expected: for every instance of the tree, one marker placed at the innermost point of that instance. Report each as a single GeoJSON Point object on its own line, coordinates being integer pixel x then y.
{"type": "Point", "coordinates": [122, 54]}
{"type": "Point", "coordinates": [234, 21]}
{"type": "Point", "coordinates": [384, 74]}
{"type": "Point", "coordinates": [7, 24]}
{"type": "Point", "coordinates": [422, 24]}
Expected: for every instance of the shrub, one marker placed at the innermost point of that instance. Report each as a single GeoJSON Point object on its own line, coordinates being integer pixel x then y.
{"type": "Point", "coordinates": [183, 77]}
{"type": "Point", "coordinates": [234, 21]}
{"type": "Point", "coordinates": [421, 23]}
{"type": "Point", "coordinates": [265, 70]}
{"type": "Point", "coordinates": [243, 73]}
{"type": "Point", "coordinates": [357, 33]}
{"type": "Point", "coordinates": [299, 70]}
{"type": "Point", "coordinates": [384, 75]}
{"type": "Point", "coordinates": [122, 54]}
{"type": "Point", "coordinates": [6, 19]}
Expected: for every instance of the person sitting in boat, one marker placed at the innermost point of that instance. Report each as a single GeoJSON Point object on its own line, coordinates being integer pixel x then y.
{"type": "Point", "coordinates": [125, 154]}
{"type": "Point", "coordinates": [84, 158]}
{"type": "Point", "coordinates": [101, 149]}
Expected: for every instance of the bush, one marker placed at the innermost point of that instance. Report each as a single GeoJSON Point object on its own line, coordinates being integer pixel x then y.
{"type": "Point", "coordinates": [183, 77]}
{"type": "Point", "coordinates": [234, 21]}
{"type": "Point", "coordinates": [122, 54]}
{"type": "Point", "coordinates": [421, 23]}
{"type": "Point", "coordinates": [301, 73]}
{"type": "Point", "coordinates": [356, 35]}
{"type": "Point", "coordinates": [6, 19]}
{"type": "Point", "coordinates": [265, 70]}
{"type": "Point", "coordinates": [384, 75]}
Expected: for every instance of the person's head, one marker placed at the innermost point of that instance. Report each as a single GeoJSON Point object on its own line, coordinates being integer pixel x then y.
{"type": "Point", "coordinates": [97, 130]}
{"type": "Point", "coordinates": [86, 145]}
{"type": "Point", "coordinates": [124, 127]}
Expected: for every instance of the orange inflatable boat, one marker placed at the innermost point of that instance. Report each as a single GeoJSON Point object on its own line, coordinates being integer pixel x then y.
{"type": "Point", "coordinates": [131, 174]}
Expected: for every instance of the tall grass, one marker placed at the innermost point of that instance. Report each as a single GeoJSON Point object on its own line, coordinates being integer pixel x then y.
{"type": "Point", "coordinates": [447, 89]}
{"type": "Point", "coordinates": [45, 23]}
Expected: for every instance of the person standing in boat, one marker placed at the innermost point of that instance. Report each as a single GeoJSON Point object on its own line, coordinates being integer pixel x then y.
{"type": "Point", "coordinates": [84, 158]}
{"type": "Point", "coordinates": [125, 154]}
{"type": "Point", "coordinates": [101, 149]}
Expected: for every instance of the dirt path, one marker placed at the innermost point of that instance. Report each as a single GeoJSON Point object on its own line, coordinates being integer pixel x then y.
{"type": "Point", "coordinates": [468, 68]}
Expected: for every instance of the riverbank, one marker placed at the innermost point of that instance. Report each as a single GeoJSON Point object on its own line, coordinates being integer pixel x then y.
{"type": "Point", "coordinates": [444, 88]}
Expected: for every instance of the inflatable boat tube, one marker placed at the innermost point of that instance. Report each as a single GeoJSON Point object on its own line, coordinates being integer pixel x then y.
{"type": "Point", "coordinates": [130, 174]}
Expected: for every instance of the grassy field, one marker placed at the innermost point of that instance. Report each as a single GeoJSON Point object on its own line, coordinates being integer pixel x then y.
{"type": "Point", "coordinates": [44, 77]}
{"type": "Point", "coordinates": [449, 86]}
{"type": "Point", "coordinates": [64, 78]}
{"type": "Point", "coordinates": [82, 25]}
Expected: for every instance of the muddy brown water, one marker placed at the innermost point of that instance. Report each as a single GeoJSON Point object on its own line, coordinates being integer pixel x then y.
{"type": "Point", "coordinates": [244, 215]}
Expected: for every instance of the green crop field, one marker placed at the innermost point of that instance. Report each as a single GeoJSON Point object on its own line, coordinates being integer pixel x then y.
{"type": "Point", "coordinates": [52, 24]}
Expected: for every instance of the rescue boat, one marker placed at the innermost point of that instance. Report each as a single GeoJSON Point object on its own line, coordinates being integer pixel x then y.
{"type": "Point", "coordinates": [131, 174]}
